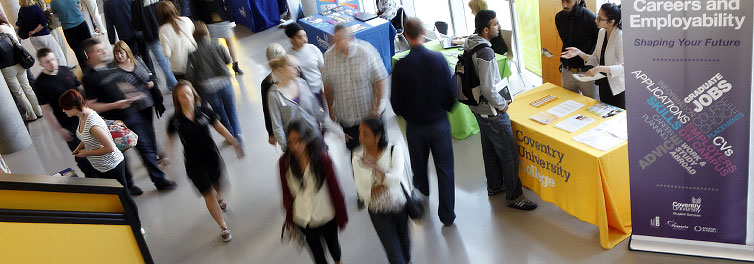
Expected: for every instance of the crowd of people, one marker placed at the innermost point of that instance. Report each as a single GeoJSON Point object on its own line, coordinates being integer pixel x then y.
{"type": "Point", "coordinates": [305, 88]}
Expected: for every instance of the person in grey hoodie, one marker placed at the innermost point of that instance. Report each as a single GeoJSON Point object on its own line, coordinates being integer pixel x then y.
{"type": "Point", "coordinates": [207, 68]}
{"type": "Point", "coordinates": [290, 98]}
{"type": "Point", "coordinates": [499, 148]}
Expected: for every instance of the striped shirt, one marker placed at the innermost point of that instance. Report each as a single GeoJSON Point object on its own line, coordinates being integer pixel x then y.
{"type": "Point", "coordinates": [103, 163]}
{"type": "Point", "coordinates": [351, 78]}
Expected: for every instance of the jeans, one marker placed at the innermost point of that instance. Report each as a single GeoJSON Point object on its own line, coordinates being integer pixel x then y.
{"type": "Point", "coordinates": [392, 228]}
{"type": "Point", "coordinates": [224, 105]}
{"type": "Point", "coordinates": [156, 49]}
{"type": "Point", "coordinates": [47, 41]}
{"type": "Point", "coordinates": [436, 138]}
{"type": "Point", "coordinates": [147, 147]}
{"type": "Point", "coordinates": [82, 163]}
{"type": "Point", "coordinates": [500, 154]}
{"type": "Point", "coordinates": [118, 174]}
{"type": "Point", "coordinates": [18, 83]}
{"type": "Point", "coordinates": [314, 237]}
{"type": "Point", "coordinates": [74, 36]}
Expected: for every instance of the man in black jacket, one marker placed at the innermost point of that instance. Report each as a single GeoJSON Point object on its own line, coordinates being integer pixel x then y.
{"type": "Point", "coordinates": [145, 22]}
{"type": "Point", "coordinates": [423, 93]}
{"type": "Point", "coordinates": [576, 28]}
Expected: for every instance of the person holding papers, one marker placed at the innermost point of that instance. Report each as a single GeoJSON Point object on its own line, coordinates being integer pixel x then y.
{"type": "Point", "coordinates": [608, 56]}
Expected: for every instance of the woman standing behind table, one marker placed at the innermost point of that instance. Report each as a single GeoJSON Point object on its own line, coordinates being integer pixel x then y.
{"type": "Point", "coordinates": [378, 169]}
{"type": "Point", "coordinates": [312, 196]}
{"type": "Point", "coordinates": [15, 74]}
{"type": "Point", "coordinates": [204, 166]}
{"type": "Point", "coordinates": [609, 58]}
{"type": "Point", "coordinates": [33, 20]}
{"type": "Point", "coordinates": [290, 99]}
{"type": "Point", "coordinates": [208, 69]}
{"type": "Point", "coordinates": [97, 144]}
{"type": "Point", "coordinates": [175, 37]}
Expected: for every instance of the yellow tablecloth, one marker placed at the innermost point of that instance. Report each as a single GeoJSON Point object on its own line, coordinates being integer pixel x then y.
{"type": "Point", "coordinates": [589, 184]}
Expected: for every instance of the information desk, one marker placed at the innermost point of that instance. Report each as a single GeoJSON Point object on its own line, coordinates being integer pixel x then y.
{"type": "Point", "coordinates": [589, 184]}
{"type": "Point", "coordinates": [53, 219]}
{"type": "Point", "coordinates": [462, 121]}
{"type": "Point", "coordinates": [378, 32]}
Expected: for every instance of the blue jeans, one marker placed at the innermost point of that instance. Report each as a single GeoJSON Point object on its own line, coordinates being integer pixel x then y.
{"type": "Point", "coordinates": [156, 49]}
{"type": "Point", "coordinates": [147, 147]}
{"type": "Point", "coordinates": [224, 105]}
{"type": "Point", "coordinates": [500, 154]}
{"type": "Point", "coordinates": [435, 138]}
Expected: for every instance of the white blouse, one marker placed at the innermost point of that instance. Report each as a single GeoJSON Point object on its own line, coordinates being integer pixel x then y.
{"type": "Point", "coordinates": [391, 200]}
{"type": "Point", "coordinates": [312, 207]}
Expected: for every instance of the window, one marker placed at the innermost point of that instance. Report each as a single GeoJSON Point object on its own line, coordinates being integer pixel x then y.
{"type": "Point", "coordinates": [501, 8]}
{"type": "Point", "coordinates": [430, 11]}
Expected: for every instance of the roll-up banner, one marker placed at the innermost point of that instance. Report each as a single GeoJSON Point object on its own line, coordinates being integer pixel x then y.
{"type": "Point", "coordinates": [688, 73]}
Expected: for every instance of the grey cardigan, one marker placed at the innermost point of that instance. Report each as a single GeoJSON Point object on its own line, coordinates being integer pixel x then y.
{"type": "Point", "coordinates": [207, 67]}
{"type": "Point", "coordinates": [283, 109]}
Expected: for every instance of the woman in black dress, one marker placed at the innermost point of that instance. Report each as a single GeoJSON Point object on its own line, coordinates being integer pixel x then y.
{"type": "Point", "coordinates": [204, 166]}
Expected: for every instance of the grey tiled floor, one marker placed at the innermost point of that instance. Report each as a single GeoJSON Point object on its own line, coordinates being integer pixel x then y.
{"type": "Point", "coordinates": [180, 230]}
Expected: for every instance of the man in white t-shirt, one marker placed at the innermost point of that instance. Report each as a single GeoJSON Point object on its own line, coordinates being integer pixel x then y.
{"type": "Point", "coordinates": [310, 59]}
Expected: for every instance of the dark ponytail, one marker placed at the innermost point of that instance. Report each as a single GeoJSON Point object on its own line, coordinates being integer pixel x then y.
{"type": "Point", "coordinates": [612, 12]}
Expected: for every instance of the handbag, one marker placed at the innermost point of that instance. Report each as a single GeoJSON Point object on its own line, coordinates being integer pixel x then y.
{"type": "Point", "coordinates": [123, 137]}
{"type": "Point", "coordinates": [414, 205]}
{"type": "Point", "coordinates": [21, 56]}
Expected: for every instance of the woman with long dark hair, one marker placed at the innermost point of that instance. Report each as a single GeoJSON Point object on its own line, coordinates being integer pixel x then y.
{"type": "Point", "coordinates": [204, 165]}
{"type": "Point", "coordinates": [378, 169]}
{"type": "Point", "coordinates": [176, 37]}
{"type": "Point", "coordinates": [311, 193]}
{"type": "Point", "coordinates": [607, 57]}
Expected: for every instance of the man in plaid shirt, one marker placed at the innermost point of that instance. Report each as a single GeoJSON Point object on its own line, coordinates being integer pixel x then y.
{"type": "Point", "coordinates": [353, 77]}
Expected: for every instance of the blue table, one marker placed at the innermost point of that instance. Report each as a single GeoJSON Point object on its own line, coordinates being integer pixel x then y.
{"type": "Point", "coordinates": [378, 32]}
{"type": "Point", "coordinates": [257, 15]}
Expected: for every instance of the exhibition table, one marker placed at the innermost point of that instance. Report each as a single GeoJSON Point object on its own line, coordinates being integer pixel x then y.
{"type": "Point", "coordinates": [378, 32]}
{"type": "Point", "coordinates": [462, 121]}
{"type": "Point", "coordinates": [257, 15]}
{"type": "Point", "coordinates": [56, 219]}
{"type": "Point", "coordinates": [590, 184]}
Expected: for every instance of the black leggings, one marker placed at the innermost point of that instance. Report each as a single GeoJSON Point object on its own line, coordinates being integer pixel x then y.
{"type": "Point", "coordinates": [314, 237]}
{"type": "Point", "coordinates": [119, 174]}
{"type": "Point", "coordinates": [74, 36]}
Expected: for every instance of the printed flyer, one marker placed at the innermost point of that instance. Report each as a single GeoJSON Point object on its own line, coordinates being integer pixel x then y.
{"type": "Point", "coordinates": [688, 87]}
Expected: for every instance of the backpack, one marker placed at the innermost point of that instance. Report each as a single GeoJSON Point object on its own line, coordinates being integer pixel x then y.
{"type": "Point", "coordinates": [467, 79]}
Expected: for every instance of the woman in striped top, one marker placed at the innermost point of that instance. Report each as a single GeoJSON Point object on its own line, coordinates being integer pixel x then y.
{"type": "Point", "coordinates": [96, 142]}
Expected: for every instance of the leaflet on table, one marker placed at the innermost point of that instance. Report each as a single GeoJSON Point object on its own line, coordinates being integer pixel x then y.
{"type": "Point", "coordinates": [544, 118]}
{"type": "Point", "coordinates": [605, 136]}
{"type": "Point", "coordinates": [583, 78]}
{"type": "Point", "coordinates": [565, 108]}
{"type": "Point", "coordinates": [574, 123]}
{"type": "Point", "coordinates": [604, 110]}
{"type": "Point", "coordinates": [376, 22]}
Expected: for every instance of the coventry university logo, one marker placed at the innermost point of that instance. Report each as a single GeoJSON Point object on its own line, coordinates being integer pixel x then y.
{"type": "Point", "coordinates": [694, 207]}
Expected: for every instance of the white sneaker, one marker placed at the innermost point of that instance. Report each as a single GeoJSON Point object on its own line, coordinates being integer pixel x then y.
{"type": "Point", "coordinates": [225, 235]}
{"type": "Point", "coordinates": [143, 232]}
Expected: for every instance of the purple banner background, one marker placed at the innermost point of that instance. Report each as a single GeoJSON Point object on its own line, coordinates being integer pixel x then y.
{"type": "Point", "coordinates": [689, 169]}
